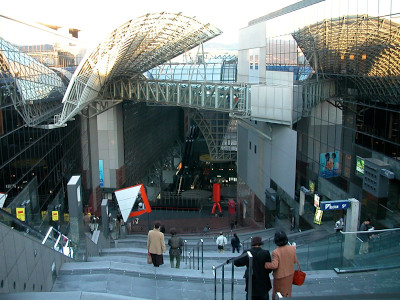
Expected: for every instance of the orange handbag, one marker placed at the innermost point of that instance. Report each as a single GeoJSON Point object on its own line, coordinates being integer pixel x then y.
{"type": "Point", "coordinates": [299, 276]}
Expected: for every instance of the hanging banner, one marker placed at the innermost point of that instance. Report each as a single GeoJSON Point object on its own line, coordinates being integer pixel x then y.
{"type": "Point", "coordinates": [54, 215]}
{"type": "Point", "coordinates": [66, 217]}
{"type": "Point", "coordinates": [20, 212]}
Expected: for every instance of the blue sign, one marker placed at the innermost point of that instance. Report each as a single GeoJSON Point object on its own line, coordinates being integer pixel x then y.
{"type": "Point", "coordinates": [336, 204]}
{"type": "Point", "coordinates": [101, 171]}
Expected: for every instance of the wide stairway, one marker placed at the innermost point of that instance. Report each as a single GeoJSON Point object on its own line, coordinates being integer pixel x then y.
{"type": "Point", "coordinates": [122, 272]}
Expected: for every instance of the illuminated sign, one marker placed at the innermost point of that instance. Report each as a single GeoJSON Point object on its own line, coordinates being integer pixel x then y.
{"type": "Point", "coordinates": [334, 205]}
{"type": "Point", "coordinates": [360, 166]}
{"type": "Point", "coordinates": [20, 211]}
{"type": "Point", "coordinates": [101, 171]}
{"type": "Point", "coordinates": [54, 215]}
{"type": "Point", "coordinates": [316, 200]}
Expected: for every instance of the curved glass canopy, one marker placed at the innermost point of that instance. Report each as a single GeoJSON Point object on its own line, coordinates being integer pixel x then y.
{"type": "Point", "coordinates": [130, 50]}
{"type": "Point", "coordinates": [364, 49]}
{"type": "Point", "coordinates": [36, 90]}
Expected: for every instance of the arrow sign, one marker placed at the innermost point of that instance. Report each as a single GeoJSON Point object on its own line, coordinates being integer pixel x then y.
{"type": "Point", "coordinates": [335, 204]}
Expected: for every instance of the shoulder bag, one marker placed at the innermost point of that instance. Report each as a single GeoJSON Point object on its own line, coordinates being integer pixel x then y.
{"type": "Point", "coordinates": [299, 276]}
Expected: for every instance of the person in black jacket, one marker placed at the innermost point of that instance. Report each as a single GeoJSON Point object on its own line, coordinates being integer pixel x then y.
{"type": "Point", "coordinates": [235, 242]}
{"type": "Point", "coordinates": [261, 283]}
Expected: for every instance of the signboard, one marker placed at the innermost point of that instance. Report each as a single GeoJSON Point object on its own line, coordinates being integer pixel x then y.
{"type": "Point", "coordinates": [311, 185]}
{"type": "Point", "coordinates": [329, 164]}
{"type": "Point", "coordinates": [101, 171]}
{"type": "Point", "coordinates": [20, 211]}
{"type": "Point", "coordinates": [360, 166]}
{"type": "Point", "coordinates": [44, 214]}
{"type": "Point", "coordinates": [334, 205]}
{"type": "Point", "coordinates": [54, 215]}
{"type": "Point", "coordinates": [66, 217]}
{"type": "Point", "coordinates": [316, 200]}
{"type": "Point", "coordinates": [318, 216]}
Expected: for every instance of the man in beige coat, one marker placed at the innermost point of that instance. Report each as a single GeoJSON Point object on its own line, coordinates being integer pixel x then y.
{"type": "Point", "coordinates": [156, 245]}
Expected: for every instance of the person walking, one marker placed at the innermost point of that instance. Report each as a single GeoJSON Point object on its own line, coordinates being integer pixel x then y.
{"type": "Point", "coordinates": [156, 245]}
{"type": "Point", "coordinates": [364, 237]}
{"type": "Point", "coordinates": [283, 260]}
{"type": "Point", "coordinates": [261, 283]}
{"type": "Point", "coordinates": [235, 242]}
{"type": "Point", "coordinates": [221, 241]}
{"type": "Point", "coordinates": [175, 250]}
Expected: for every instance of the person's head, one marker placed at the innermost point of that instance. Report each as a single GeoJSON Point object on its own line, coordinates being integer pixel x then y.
{"type": "Point", "coordinates": [256, 241]}
{"type": "Point", "coordinates": [235, 235]}
{"type": "Point", "coordinates": [173, 231]}
{"type": "Point", "coordinates": [220, 233]}
{"type": "Point", "coordinates": [157, 225]}
{"type": "Point", "coordinates": [367, 221]}
{"type": "Point", "coordinates": [280, 238]}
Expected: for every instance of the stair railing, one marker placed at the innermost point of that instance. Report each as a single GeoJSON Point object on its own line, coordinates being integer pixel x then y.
{"type": "Point", "coordinates": [222, 267]}
{"type": "Point", "coordinates": [200, 242]}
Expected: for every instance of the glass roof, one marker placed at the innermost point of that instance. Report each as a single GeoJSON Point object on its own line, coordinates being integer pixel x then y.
{"type": "Point", "coordinates": [129, 51]}
{"type": "Point", "coordinates": [39, 89]}
{"type": "Point", "coordinates": [364, 49]}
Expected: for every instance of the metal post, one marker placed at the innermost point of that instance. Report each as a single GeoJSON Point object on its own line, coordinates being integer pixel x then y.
{"type": "Point", "coordinates": [223, 281]}
{"type": "Point", "coordinates": [250, 279]}
{"type": "Point", "coordinates": [215, 282]}
{"type": "Point", "coordinates": [198, 256]}
{"type": "Point", "coordinates": [184, 251]}
{"type": "Point", "coordinates": [202, 256]}
{"type": "Point", "coordinates": [232, 281]}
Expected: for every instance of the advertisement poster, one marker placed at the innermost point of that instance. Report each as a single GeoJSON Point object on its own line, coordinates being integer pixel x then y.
{"type": "Point", "coordinates": [316, 200]}
{"type": "Point", "coordinates": [20, 213]}
{"type": "Point", "coordinates": [318, 216]}
{"type": "Point", "coordinates": [329, 162]}
{"type": "Point", "coordinates": [360, 166]}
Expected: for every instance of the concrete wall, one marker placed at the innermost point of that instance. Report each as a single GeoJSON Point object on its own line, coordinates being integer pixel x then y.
{"type": "Point", "coordinates": [267, 152]}
{"type": "Point", "coordinates": [25, 264]}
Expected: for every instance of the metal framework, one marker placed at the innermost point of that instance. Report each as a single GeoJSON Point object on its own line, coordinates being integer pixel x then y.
{"type": "Point", "coordinates": [36, 90]}
{"type": "Point", "coordinates": [224, 97]}
{"type": "Point", "coordinates": [364, 49]}
{"type": "Point", "coordinates": [132, 49]}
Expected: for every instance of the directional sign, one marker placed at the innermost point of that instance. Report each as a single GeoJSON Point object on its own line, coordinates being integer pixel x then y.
{"type": "Point", "coordinates": [336, 204]}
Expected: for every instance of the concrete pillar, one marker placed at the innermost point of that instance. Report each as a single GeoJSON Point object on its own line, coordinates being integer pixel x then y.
{"type": "Point", "coordinates": [75, 208]}
{"type": "Point", "coordinates": [352, 221]}
{"type": "Point", "coordinates": [104, 217]}
{"type": "Point", "coordinates": [110, 137]}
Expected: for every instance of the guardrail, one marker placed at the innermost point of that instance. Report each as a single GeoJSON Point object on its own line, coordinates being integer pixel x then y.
{"type": "Point", "coordinates": [222, 267]}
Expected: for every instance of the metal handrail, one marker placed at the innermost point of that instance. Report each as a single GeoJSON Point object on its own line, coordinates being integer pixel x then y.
{"type": "Point", "coordinates": [202, 255]}
{"type": "Point", "coordinates": [222, 266]}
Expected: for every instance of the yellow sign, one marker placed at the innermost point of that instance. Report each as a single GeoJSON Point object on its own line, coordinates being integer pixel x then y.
{"type": "Point", "coordinates": [66, 217]}
{"type": "Point", "coordinates": [318, 216]}
{"type": "Point", "coordinates": [44, 214]}
{"type": "Point", "coordinates": [20, 211]}
{"type": "Point", "coordinates": [54, 215]}
{"type": "Point", "coordinates": [311, 186]}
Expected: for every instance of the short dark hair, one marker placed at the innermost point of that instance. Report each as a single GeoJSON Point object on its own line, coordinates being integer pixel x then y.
{"type": "Point", "coordinates": [173, 231]}
{"type": "Point", "coordinates": [157, 225]}
{"type": "Point", "coordinates": [280, 238]}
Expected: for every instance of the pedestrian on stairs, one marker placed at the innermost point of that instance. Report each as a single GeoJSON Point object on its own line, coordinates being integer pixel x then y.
{"type": "Point", "coordinates": [175, 250]}
{"type": "Point", "coordinates": [156, 245]}
{"type": "Point", "coordinates": [221, 241]}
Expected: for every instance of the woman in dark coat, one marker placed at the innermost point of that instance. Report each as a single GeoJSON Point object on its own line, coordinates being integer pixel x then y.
{"type": "Point", "coordinates": [261, 284]}
{"type": "Point", "coordinates": [235, 242]}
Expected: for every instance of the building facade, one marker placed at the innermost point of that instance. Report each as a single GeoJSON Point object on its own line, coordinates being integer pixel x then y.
{"type": "Point", "coordinates": [326, 110]}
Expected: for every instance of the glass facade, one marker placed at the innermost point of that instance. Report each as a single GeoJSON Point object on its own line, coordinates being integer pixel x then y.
{"type": "Point", "coordinates": [36, 163]}
{"type": "Point", "coordinates": [343, 55]}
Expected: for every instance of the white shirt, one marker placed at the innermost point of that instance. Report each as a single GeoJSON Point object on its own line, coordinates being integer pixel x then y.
{"type": "Point", "coordinates": [221, 240]}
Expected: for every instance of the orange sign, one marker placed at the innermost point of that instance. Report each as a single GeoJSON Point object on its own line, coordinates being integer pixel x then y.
{"type": "Point", "coordinates": [20, 213]}
{"type": "Point", "coordinates": [54, 215]}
